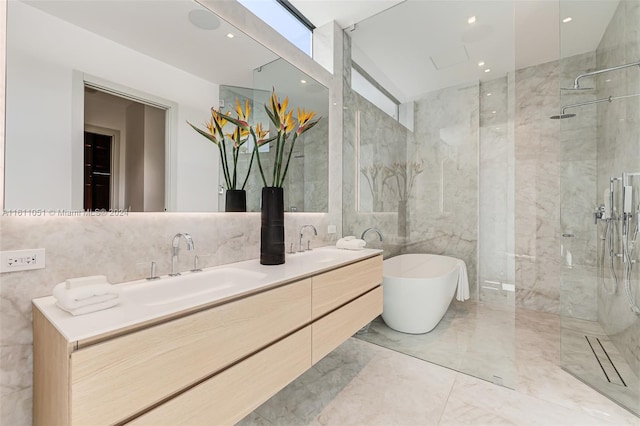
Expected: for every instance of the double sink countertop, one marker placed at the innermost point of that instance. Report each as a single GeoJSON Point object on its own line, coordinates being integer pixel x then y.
{"type": "Point", "coordinates": [145, 302]}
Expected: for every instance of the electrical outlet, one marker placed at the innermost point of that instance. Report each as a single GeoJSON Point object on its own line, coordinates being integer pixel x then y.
{"type": "Point", "coordinates": [331, 229]}
{"type": "Point", "coordinates": [22, 260]}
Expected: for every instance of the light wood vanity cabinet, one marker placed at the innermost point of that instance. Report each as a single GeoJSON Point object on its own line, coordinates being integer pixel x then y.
{"type": "Point", "coordinates": [209, 367]}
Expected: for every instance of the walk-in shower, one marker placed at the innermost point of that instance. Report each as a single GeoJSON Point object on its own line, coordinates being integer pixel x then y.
{"type": "Point", "coordinates": [600, 286]}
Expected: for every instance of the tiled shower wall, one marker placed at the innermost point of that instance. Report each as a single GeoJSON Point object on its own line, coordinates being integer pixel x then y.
{"type": "Point", "coordinates": [618, 150]}
{"type": "Point", "coordinates": [555, 176]}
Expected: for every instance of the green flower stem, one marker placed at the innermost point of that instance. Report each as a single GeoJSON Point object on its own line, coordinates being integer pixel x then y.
{"type": "Point", "coordinates": [275, 160]}
{"type": "Point", "coordinates": [256, 153]}
{"type": "Point", "coordinates": [279, 160]}
{"type": "Point", "coordinates": [225, 169]}
{"type": "Point", "coordinates": [286, 168]}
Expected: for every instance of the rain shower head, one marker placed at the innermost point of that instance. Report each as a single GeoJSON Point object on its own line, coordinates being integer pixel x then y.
{"type": "Point", "coordinates": [576, 89]}
{"type": "Point", "coordinates": [562, 116]}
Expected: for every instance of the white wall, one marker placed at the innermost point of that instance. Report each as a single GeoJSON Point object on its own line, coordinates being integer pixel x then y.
{"type": "Point", "coordinates": [154, 159]}
{"type": "Point", "coordinates": [42, 53]}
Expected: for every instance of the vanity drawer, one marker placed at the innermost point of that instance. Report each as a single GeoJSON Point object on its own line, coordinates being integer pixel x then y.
{"type": "Point", "coordinates": [232, 394]}
{"type": "Point", "coordinates": [112, 380]}
{"type": "Point", "coordinates": [331, 331]}
{"type": "Point", "coordinates": [335, 288]}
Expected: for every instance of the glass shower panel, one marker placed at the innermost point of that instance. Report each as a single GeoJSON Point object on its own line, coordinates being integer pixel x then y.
{"type": "Point", "coordinates": [599, 127]}
{"type": "Point", "coordinates": [460, 198]}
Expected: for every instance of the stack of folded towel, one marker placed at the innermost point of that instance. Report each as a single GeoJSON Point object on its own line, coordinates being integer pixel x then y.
{"type": "Point", "coordinates": [351, 243]}
{"type": "Point", "coordinates": [84, 295]}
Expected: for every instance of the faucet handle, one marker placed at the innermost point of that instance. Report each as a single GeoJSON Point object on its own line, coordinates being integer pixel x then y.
{"type": "Point", "coordinates": [309, 245]}
{"type": "Point", "coordinates": [153, 275]}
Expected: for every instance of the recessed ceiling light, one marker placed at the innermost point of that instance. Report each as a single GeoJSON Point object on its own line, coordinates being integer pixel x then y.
{"type": "Point", "coordinates": [471, 20]}
{"type": "Point", "coordinates": [608, 80]}
{"type": "Point", "coordinates": [230, 35]}
{"type": "Point", "coordinates": [567, 19]}
{"type": "Point", "coordinates": [303, 81]}
{"type": "Point", "coordinates": [488, 94]}
{"type": "Point", "coordinates": [481, 64]}
{"type": "Point", "coordinates": [487, 70]}
{"type": "Point", "coordinates": [494, 112]}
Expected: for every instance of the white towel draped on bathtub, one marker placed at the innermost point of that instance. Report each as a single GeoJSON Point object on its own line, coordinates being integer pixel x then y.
{"type": "Point", "coordinates": [462, 293]}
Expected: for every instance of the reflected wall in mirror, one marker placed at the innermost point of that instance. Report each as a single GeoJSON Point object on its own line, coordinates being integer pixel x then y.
{"type": "Point", "coordinates": [125, 45]}
{"type": "Point", "coordinates": [306, 184]}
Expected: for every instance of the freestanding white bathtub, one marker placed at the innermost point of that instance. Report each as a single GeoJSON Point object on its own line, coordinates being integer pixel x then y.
{"type": "Point", "coordinates": [418, 289]}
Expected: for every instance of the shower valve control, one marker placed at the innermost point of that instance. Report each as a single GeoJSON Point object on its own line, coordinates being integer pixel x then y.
{"type": "Point", "coordinates": [599, 213]}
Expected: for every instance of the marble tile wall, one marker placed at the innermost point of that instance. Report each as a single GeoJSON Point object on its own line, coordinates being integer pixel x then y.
{"type": "Point", "coordinates": [555, 175]}
{"type": "Point", "coordinates": [618, 150]}
{"type": "Point", "coordinates": [354, 222]}
{"type": "Point", "coordinates": [382, 142]}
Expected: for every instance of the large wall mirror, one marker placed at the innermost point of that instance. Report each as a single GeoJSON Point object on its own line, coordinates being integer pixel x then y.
{"type": "Point", "coordinates": [98, 98]}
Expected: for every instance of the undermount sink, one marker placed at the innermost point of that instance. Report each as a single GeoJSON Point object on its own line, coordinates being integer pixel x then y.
{"type": "Point", "coordinates": [190, 285]}
{"type": "Point", "coordinates": [323, 255]}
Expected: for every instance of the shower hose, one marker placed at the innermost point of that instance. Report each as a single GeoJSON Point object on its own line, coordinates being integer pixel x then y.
{"type": "Point", "coordinates": [627, 253]}
{"type": "Point", "coordinates": [607, 237]}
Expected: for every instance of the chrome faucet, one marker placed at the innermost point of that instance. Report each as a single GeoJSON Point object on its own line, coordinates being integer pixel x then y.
{"type": "Point", "coordinates": [315, 232]}
{"type": "Point", "coordinates": [175, 249]}
{"type": "Point", "coordinates": [376, 230]}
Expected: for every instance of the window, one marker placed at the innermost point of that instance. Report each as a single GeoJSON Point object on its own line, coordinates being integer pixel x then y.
{"type": "Point", "coordinates": [284, 18]}
{"type": "Point", "coordinates": [371, 91]}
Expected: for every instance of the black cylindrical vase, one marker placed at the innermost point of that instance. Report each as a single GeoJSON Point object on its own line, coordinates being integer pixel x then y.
{"type": "Point", "coordinates": [272, 226]}
{"type": "Point", "coordinates": [235, 200]}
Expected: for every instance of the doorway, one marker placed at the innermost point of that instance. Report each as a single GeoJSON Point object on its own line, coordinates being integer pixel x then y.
{"type": "Point", "coordinates": [97, 171]}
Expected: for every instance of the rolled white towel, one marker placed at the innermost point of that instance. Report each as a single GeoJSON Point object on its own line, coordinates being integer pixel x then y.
{"type": "Point", "coordinates": [86, 281]}
{"type": "Point", "coordinates": [351, 244]}
{"type": "Point", "coordinates": [90, 308]}
{"type": "Point", "coordinates": [462, 292]}
{"type": "Point", "coordinates": [83, 296]}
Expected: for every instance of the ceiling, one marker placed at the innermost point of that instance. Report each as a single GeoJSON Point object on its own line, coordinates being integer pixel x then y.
{"type": "Point", "coordinates": [162, 30]}
{"type": "Point", "coordinates": [410, 47]}
{"type": "Point", "coordinates": [416, 46]}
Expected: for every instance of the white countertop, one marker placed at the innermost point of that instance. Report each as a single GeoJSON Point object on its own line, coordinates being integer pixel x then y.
{"type": "Point", "coordinates": [143, 301]}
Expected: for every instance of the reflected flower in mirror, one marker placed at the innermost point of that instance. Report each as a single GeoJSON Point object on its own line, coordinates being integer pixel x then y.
{"type": "Point", "coordinates": [405, 174]}
{"type": "Point", "coordinates": [230, 144]}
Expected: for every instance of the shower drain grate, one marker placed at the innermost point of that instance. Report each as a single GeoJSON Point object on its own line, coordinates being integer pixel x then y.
{"type": "Point", "coordinates": [604, 360]}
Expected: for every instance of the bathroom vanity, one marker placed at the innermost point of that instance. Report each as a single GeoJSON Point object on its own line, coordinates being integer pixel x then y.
{"type": "Point", "coordinates": [203, 355]}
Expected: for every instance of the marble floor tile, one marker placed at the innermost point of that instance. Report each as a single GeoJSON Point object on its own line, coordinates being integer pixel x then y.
{"type": "Point", "coordinates": [476, 402]}
{"type": "Point", "coordinates": [473, 338]}
{"type": "Point", "coordinates": [391, 390]}
{"type": "Point", "coordinates": [361, 383]}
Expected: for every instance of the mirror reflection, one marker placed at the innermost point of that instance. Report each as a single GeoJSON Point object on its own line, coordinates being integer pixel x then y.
{"type": "Point", "coordinates": [163, 62]}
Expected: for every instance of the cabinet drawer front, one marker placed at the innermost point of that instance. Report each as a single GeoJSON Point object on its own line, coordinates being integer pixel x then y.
{"type": "Point", "coordinates": [335, 288]}
{"type": "Point", "coordinates": [113, 380]}
{"type": "Point", "coordinates": [332, 330]}
{"type": "Point", "coordinates": [229, 396]}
